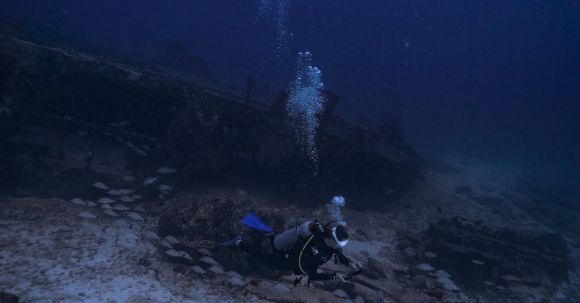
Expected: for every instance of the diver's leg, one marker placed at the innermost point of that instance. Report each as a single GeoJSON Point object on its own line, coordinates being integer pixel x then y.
{"type": "Point", "coordinates": [273, 259]}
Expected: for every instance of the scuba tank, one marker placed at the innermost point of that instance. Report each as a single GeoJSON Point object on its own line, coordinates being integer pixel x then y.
{"type": "Point", "coordinates": [288, 238]}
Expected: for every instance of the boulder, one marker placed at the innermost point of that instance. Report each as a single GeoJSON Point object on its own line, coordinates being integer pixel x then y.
{"type": "Point", "coordinates": [198, 223]}
{"type": "Point", "coordinates": [87, 215]}
{"type": "Point", "coordinates": [8, 297]}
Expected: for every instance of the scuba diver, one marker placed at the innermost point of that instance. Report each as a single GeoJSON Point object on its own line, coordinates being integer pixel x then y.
{"type": "Point", "coordinates": [301, 249]}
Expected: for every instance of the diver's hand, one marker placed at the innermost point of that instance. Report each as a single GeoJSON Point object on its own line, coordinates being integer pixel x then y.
{"type": "Point", "coordinates": [355, 266]}
{"type": "Point", "coordinates": [339, 276]}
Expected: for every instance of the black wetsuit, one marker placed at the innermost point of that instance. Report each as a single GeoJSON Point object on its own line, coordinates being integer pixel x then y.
{"type": "Point", "coordinates": [314, 255]}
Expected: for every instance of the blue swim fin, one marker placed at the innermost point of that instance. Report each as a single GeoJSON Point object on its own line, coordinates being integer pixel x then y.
{"type": "Point", "coordinates": [254, 222]}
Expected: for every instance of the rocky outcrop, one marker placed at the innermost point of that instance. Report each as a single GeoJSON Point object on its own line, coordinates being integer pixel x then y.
{"type": "Point", "coordinates": [199, 223]}
{"type": "Point", "coordinates": [463, 256]}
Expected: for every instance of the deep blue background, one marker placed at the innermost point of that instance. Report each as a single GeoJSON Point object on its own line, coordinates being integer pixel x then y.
{"type": "Point", "coordinates": [493, 78]}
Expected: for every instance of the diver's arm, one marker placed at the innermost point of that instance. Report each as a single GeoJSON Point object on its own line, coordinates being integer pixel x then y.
{"type": "Point", "coordinates": [316, 276]}
{"type": "Point", "coordinates": [342, 258]}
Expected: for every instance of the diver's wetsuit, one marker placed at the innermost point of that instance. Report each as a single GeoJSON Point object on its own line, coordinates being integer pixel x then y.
{"type": "Point", "coordinates": [314, 255]}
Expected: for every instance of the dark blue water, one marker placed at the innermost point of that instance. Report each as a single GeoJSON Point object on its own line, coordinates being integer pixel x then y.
{"type": "Point", "coordinates": [494, 79]}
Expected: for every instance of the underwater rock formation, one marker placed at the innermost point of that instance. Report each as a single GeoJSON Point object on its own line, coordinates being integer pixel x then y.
{"type": "Point", "coordinates": [471, 254]}
{"type": "Point", "coordinates": [200, 223]}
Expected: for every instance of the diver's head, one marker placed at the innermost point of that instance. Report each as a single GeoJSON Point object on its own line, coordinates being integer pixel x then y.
{"type": "Point", "coordinates": [335, 235]}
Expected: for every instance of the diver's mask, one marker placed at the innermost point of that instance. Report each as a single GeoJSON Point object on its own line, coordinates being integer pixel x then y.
{"type": "Point", "coordinates": [335, 236]}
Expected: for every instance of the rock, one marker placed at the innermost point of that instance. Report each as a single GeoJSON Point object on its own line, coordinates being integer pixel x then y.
{"type": "Point", "coordinates": [399, 268]}
{"type": "Point", "coordinates": [216, 269]}
{"type": "Point", "coordinates": [541, 256]}
{"type": "Point", "coordinates": [149, 181]}
{"type": "Point", "coordinates": [139, 208]}
{"type": "Point", "coordinates": [105, 200]}
{"type": "Point", "coordinates": [421, 281]}
{"type": "Point", "coordinates": [173, 253]}
{"type": "Point", "coordinates": [91, 203]}
{"type": "Point", "coordinates": [204, 251]}
{"type": "Point", "coordinates": [447, 283]}
{"type": "Point", "coordinates": [265, 284]}
{"type": "Point", "coordinates": [339, 293]}
{"type": "Point", "coordinates": [202, 222]}
{"type": "Point", "coordinates": [166, 170]}
{"type": "Point", "coordinates": [511, 278]}
{"type": "Point", "coordinates": [140, 152]}
{"type": "Point", "coordinates": [430, 255]}
{"type": "Point", "coordinates": [171, 239]}
{"type": "Point", "coordinates": [559, 295]}
{"type": "Point", "coordinates": [165, 188]}
{"type": "Point", "coordinates": [410, 252]}
{"type": "Point", "coordinates": [413, 296]}
{"type": "Point", "coordinates": [186, 256]}
{"type": "Point", "coordinates": [235, 281]}
{"type": "Point", "coordinates": [151, 235]}
{"type": "Point", "coordinates": [126, 199]}
{"type": "Point", "coordinates": [78, 201]}
{"type": "Point", "coordinates": [100, 185]}
{"type": "Point", "coordinates": [135, 216]}
{"type": "Point", "coordinates": [8, 297]}
{"type": "Point", "coordinates": [208, 260]}
{"type": "Point", "coordinates": [232, 273]}
{"type": "Point", "coordinates": [128, 178]}
{"type": "Point", "coordinates": [110, 212]}
{"type": "Point", "coordinates": [139, 299]}
{"type": "Point", "coordinates": [87, 215]}
{"type": "Point", "coordinates": [166, 243]}
{"type": "Point", "coordinates": [114, 192]}
{"type": "Point", "coordinates": [425, 267]}
{"type": "Point", "coordinates": [5, 112]}
{"type": "Point", "coordinates": [282, 287]}
{"type": "Point", "coordinates": [125, 192]}
{"type": "Point", "coordinates": [442, 273]}
{"type": "Point", "coordinates": [198, 269]}
{"type": "Point", "coordinates": [376, 269]}
{"type": "Point", "coordinates": [120, 207]}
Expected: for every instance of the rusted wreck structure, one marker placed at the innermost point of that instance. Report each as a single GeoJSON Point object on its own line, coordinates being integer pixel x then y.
{"type": "Point", "coordinates": [68, 111]}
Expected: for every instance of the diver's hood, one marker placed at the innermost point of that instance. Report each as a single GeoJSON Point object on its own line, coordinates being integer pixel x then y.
{"type": "Point", "coordinates": [333, 240]}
